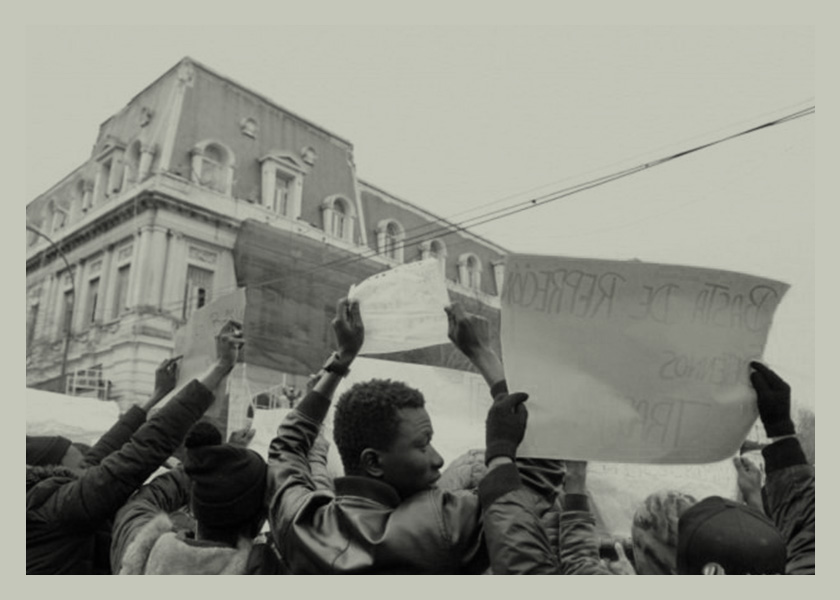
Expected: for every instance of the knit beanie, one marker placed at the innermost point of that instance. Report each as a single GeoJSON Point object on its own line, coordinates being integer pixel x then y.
{"type": "Point", "coordinates": [736, 536]}
{"type": "Point", "coordinates": [228, 482]}
{"type": "Point", "coordinates": [46, 450]}
{"type": "Point", "coordinates": [655, 529]}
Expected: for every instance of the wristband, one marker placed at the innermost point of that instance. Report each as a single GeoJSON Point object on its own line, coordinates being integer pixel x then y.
{"type": "Point", "coordinates": [336, 366]}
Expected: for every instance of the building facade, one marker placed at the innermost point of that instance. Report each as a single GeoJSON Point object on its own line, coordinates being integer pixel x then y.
{"type": "Point", "coordinates": [148, 225]}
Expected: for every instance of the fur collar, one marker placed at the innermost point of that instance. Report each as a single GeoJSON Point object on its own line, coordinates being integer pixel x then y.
{"type": "Point", "coordinates": [158, 550]}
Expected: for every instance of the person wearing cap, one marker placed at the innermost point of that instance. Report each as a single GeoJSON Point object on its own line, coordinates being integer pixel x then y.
{"type": "Point", "coordinates": [224, 487]}
{"type": "Point", "coordinates": [69, 510]}
{"type": "Point", "coordinates": [719, 536]}
{"type": "Point", "coordinates": [386, 515]}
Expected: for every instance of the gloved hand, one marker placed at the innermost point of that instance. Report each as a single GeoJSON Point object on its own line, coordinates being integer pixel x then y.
{"type": "Point", "coordinates": [505, 425]}
{"type": "Point", "coordinates": [773, 400]}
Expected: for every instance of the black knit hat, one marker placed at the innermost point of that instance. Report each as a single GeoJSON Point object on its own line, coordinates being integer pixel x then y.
{"type": "Point", "coordinates": [735, 536]}
{"type": "Point", "coordinates": [46, 450]}
{"type": "Point", "coordinates": [228, 484]}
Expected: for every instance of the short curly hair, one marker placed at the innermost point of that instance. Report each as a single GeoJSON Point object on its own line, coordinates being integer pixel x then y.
{"type": "Point", "coordinates": [366, 417]}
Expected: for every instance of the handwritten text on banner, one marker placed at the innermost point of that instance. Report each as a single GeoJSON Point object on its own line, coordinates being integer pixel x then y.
{"type": "Point", "coordinates": [633, 362]}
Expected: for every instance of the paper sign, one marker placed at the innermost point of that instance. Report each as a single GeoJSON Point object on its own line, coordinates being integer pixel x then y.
{"type": "Point", "coordinates": [633, 362]}
{"type": "Point", "coordinates": [402, 308]}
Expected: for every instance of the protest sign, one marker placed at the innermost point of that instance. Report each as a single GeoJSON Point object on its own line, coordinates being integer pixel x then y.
{"type": "Point", "coordinates": [402, 308]}
{"type": "Point", "coordinates": [196, 343]}
{"type": "Point", "coordinates": [633, 362]}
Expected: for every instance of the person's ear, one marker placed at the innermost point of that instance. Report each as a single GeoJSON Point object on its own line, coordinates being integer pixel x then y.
{"type": "Point", "coordinates": [713, 568]}
{"type": "Point", "coordinates": [371, 463]}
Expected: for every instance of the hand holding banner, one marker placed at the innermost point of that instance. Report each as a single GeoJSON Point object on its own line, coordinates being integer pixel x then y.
{"type": "Point", "coordinates": [633, 362]}
{"type": "Point", "coordinates": [402, 308]}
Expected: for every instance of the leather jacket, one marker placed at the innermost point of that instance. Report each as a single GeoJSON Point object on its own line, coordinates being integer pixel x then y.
{"type": "Point", "coordinates": [363, 527]}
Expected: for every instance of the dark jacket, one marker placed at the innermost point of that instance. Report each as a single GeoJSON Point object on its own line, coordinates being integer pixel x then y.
{"type": "Point", "coordinates": [579, 547]}
{"type": "Point", "coordinates": [789, 494]}
{"type": "Point", "coordinates": [68, 516]}
{"type": "Point", "coordinates": [364, 527]}
{"type": "Point", "coordinates": [517, 539]}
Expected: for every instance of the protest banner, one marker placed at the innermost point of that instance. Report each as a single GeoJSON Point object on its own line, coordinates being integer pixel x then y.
{"type": "Point", "coordinates": [633, 362]}
{"type": "Point", "coordinates": [403, 308]}
{"type": "Point", "coordinates": [196, 343]}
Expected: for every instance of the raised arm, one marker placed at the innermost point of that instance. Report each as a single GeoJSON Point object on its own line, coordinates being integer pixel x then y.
{"type": "Point", "coordinates": [290, 477]}
{"type": "Point", "coordinates": [789, 491]}
{"type": "Point", "coordinates": [134, 417]}
{"type": "Point", "coordinates": [101, 490]}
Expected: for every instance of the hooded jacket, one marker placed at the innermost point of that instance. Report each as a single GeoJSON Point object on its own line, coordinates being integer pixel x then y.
{"type": "Point", "coordinates": [68, 513]}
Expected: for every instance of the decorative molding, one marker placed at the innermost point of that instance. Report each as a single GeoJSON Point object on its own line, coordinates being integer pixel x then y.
{"type": "Point", "coordinates": [308, 155]}
{"type": "Point", "coordinates": [204, 256]}
{"type": "Point", "coordinates": [95, 267]}
{"type": "Point", "coordinates": [145, 117]}
{"type": "Point", "coordinates": [248, 126]}
{"type": "Point", "coordinates": [186, 74]}
{"type": "Point", "coordinates": [124, 253]}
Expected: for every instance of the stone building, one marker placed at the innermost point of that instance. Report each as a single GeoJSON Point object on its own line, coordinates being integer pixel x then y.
{"type": "Point", "coordinates": [148, 224]}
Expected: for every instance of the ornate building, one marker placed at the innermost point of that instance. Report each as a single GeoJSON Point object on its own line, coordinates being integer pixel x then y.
{"type": "Point", "coordinates": [148, 225]}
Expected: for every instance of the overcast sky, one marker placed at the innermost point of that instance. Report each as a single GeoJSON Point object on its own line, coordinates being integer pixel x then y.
{"type": "Point", "coordinates": [462, 119]}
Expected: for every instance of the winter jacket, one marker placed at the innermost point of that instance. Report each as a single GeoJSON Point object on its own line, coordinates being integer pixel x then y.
{"type": "Point", "coordinates": [579, 552]}
{"type": "Point", "coordinates": [158, 549]}
{"type": "Point", "coordinates": [364, 527]}
{"type": "Point", "coordinates": [789, 495]}
{"type": "Point", "coordinates": [68, 515]}
{"type": "Point", "coordinates": [517, 540]}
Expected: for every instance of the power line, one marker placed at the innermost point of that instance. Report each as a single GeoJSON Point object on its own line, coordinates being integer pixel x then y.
{"type": "Point", "coordinates": [442, 226]}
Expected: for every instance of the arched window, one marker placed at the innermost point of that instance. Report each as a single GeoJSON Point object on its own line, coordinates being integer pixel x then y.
{"type": "Point", "coordinates": [339, 217]}
{"type": "Point", "coordinates": [212, 166]}
{"type": "Point", "coordinates": [389, 237]}
{"type": "Point", "coordinates": [132, 165]}
{"type": "Point", "coordinates": [469, 271]}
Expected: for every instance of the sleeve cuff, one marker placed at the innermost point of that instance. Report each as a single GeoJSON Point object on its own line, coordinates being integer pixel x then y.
{"type": "Point", "coordinates": [576, 502]}
{"type": "Point", "coordinates": [500, 387]}
{"type": "Point", "coordinates": [497, 483]}
{"type": "Point", "coordinates": [782, 454]}
{"type": "Point", "coordinates": [314, 406]}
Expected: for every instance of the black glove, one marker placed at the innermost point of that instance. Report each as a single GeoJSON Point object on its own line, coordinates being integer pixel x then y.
{"type": "Point", "coordinates": [773, 400]}
{"type": "Point", "coordinates": [505, 426]}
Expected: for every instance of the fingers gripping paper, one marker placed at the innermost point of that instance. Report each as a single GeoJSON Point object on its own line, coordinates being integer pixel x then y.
{"type": "Point", "coordinates": [633, 362]}
{"type": "Point", "coordinates": [402, 308]}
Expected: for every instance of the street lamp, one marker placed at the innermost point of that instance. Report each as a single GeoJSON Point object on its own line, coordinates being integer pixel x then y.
{"type": "Point", "coordinates": [68, 317]}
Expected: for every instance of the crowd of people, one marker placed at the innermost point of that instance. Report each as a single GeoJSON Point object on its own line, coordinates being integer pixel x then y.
{"type": "Point", "coordinates": [223, 509]}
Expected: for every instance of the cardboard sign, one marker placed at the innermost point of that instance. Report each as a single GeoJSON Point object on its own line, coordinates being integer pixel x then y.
{"type": "Point", "coordinates": [633, 362]}
{"type": "Point", "coordinates": [402, 308]}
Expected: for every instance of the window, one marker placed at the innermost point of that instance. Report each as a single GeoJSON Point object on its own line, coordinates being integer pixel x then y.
{"type": "Point", "coordinates": [67, 311]}
{"type": "Point", "coordinates": [433, 248]}
{"type": "Point", "coordinates": [390, 234]}
{"type": "Point", "coordinates": [469, 271]}
{"type": "Point", "coordinates": [280, 204]}
{"type": "Point", "coordinates": [59, 219]}
{"type": "Point", "coordinates": [212, 167]}
{"type": "Point", "coordinates": [31, 323]}
{"type": "Point", "coordinates": [338, 217]}
{"type": "Point", "coordinates": [92, 300]}
{"type": "Point", "coordinates": [121, 291]}
{"type": "Point", "coordinates": [339, 220]}
{"type": "Point", "coordinates": [282, 183]}
{"type": "Point", "coordinates": [198, 289]}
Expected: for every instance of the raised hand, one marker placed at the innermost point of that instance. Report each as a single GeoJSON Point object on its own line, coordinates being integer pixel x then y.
{"type": "Point", "coordinates": [349, 329]}
{"type": "Point", "coordinates": [242, 437]}
{"type": "Point", "coordinates": [228, 343]}
{"type": "Point", "coordinates": [622, 566]}
{"type": "Point", "coordinates": [469, 332]}
{"type": "Point", "coordinates": [505, 426]}
{"type": "Point", "coordinates": [166, 375]}
{"type": "Point", "coordinates": [773, 394]}
{"type": "Point", "coordinates": [749, 481]}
